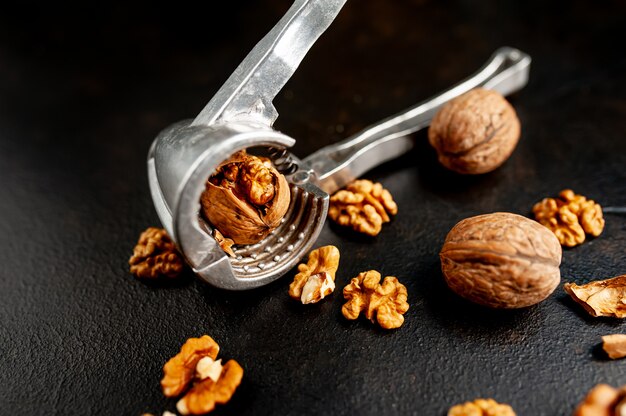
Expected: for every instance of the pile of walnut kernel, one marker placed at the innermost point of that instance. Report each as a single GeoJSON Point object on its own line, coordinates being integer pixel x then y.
{"type": "Point", "coordinates": [472, 134]}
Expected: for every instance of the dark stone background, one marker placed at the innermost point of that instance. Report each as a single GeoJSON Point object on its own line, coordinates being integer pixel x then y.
{"type": "Point", "coordinates": [85, 89]}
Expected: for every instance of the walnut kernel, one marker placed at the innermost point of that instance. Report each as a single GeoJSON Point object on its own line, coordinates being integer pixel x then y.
{"type": "Point", "coordinates": [614, 345]}
{"type": "Point", "coordinates": [384, 303]}
{"type": "Point", "coordinates": [569, 217]}
{"type": "Point", "coordinates": [205, 394]}
{"type": "Point", "coordinates": [603, 400]}
{"type": "Point", "coordinates": [245, 198]}
{"type": "Point", "coordinates": [501, 260]}
{"type": "Point", "coordinates": [601, 297]}
{"type": "Point", "coordinates": [316, 278]}
{"type": "Point", "coordinates": [180, 370]}
{"type": "Point", "coordinates": [363, 205]}
{"type": "Point", "coordinates": [475, 132]}
{"type": "Point", "coordinates": [481, 407]}
{"type": "Point", "coordinates": [155, 255]}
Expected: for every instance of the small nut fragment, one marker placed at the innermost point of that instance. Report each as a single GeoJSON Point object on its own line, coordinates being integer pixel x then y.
{"type": "Point", "coordinates": [569, 217]}
{"type": "Point", "coordinates": [180, 369]}
{"type": "Point", "coordinates": [205, 394]}
{"type": "Point", "coordinates": [603, 400]}
{"type": "Point", "coordinates": [225, 244]}
{"type": "Point", "coordinates": [475, 132]}
{"type": "Point", "coordinates": [363, 205]}
{"type": "Point", "coordinates": [155, 255]}
{"type": "Point", "coordinates": [601, 297]}
{"type": "Point", "coordinates": [614, 345]}
{"type": "Point", "coordinates": [481, 407]}
{"type": "Point", "coordinates": [384, 303]}
{"type": "Point", "coordinates": [316, 278]}
{"type": "Point", "coordinates": [245, 198]}
{"type": "Point", "coordinates": [501, 260]}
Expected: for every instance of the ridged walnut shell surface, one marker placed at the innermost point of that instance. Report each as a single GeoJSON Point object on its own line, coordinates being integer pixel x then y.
{"type": "Point", "coordinates": [475, 133]}
{"type": "Point", "coordinates": [501, 260]}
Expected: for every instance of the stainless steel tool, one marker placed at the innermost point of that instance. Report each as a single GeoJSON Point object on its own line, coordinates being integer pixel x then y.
{"type": "Point", "coordinates": [241, 115]}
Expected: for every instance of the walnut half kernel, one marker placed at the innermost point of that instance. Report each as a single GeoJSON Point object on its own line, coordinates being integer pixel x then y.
{"type": "Point", "coordinates": [316, 279]}
{"type": "Point", "coordinates": [481, 407]}
{"type": "Point", "coordinates": [384, 303]}
{"type": "Point", "coordinates": [155, 255]}
{"type": "Point", "coordinates": [213, 383]}
{"type": "Point", "coordinates": [363, 205]}
{"type": "Point", "coordinates": [570, 217]}
{"type": "Point", "coordinates": [603, 400]}
{"type": "Point", "coordinates": [614, 345]}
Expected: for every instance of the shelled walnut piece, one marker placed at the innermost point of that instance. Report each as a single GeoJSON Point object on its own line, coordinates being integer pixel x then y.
{"type": "Point", "coordinates": [213, 383]}
{"type": "Point", "coordinates": [601, 297]}
{"type": "Point", "coordinates": [481, 407]}
{"type": "Point", "coordinates": [501, 260]}
{"type": "Point", "coordinates": [316, 279]}
{"type": "Point", "coordinates": [475, 133]}
{"type": "Point", "coordinates": [155, 255]}
{"type": "Point", "coordinates": [603, 400]}
{"type": "Point", "coordinates": [569, 217]}
{"type": "Point", "coordinates": [614, 345]}
{"type": "Point", "coordinates": [384, 303]}
{"type": "Point", "coordinates": [246, 198]}
{"type": "Point", "coordinates": [362, 205]}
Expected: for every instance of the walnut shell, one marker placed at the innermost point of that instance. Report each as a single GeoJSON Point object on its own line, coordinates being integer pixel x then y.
{"type": "Point", "coordinates": [475, 132]}
{"type": "Point", "coordinates": [501, 260]}
{"type": "Point", "coordinates": [246, 198]}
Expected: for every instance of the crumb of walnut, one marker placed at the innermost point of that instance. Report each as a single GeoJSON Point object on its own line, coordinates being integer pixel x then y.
{"type": "Point", "coordinates": [570, 217]}
{"type": "Point", "coordinates": [155, 255]}
{"type": "Point", "coordinates": [363, 205]}
{"type": "Point", "coordinates": [225, 244]}
{"type": "Point", "coordinates": [614, 345]}
{"type": "Point", "coordinates": [481, 407]}
{"type": "Point", "coordinates": [601, 297]}
{"type": "Point", "coordinates": [384, 303]}
{"type": "Point", "coordinates": [475, 133]}
{"type": "Point", "coordinates": [603, 400]}
{"type": "Point", "coordinates": [213, 383]}
{"type": "Point", "coordinates": [316, 278]}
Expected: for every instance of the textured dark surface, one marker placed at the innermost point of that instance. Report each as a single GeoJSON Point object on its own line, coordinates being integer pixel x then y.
{"type": "Point", "coordinates": [84, 91]}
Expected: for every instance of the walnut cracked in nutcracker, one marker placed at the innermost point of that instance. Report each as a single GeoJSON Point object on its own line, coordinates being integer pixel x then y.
{"type": "Point", "coordinates": [246, 198]}
{"type": "Point", "coordinates": [213, 383]}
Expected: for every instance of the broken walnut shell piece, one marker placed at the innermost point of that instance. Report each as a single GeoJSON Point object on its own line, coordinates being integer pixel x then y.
{"type": "Point", "coordinates": [155, 255]}
{"type": "Point", "coordinates": [225, 244]}
{"type": "Point", "coordinates": [603, 400]}
{"type": "Point", "coordinates": [246, 198]}
{"type": "Point", "coordinates": [384, 303]}
{"type": "Point", "coordinates": [481, 407]}
{"type": "Point", "coordinates": [362, 205]}
{"type": "Point", "coordinates": [614, 345]}
{"type": "Point", "coordinates": [601, 297]}
{"type": "Point", "coordinates": [316, 278]}
{"type": "Point", "coordinates": [501, 260]}
{"type": "Point", "coordinates": [205, 394]}
{"type": "Point", "coordinates": [475, 133]}
{"type": "Point", "coordinates": [181, 369]}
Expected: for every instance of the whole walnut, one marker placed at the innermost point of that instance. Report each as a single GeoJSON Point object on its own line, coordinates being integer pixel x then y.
{"type": "Point", "coordinates": [501, 260]}
{"type": "Point", "coordinates": [475, 132]}
{"type": "Point", "coordinates": [245, 198]}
